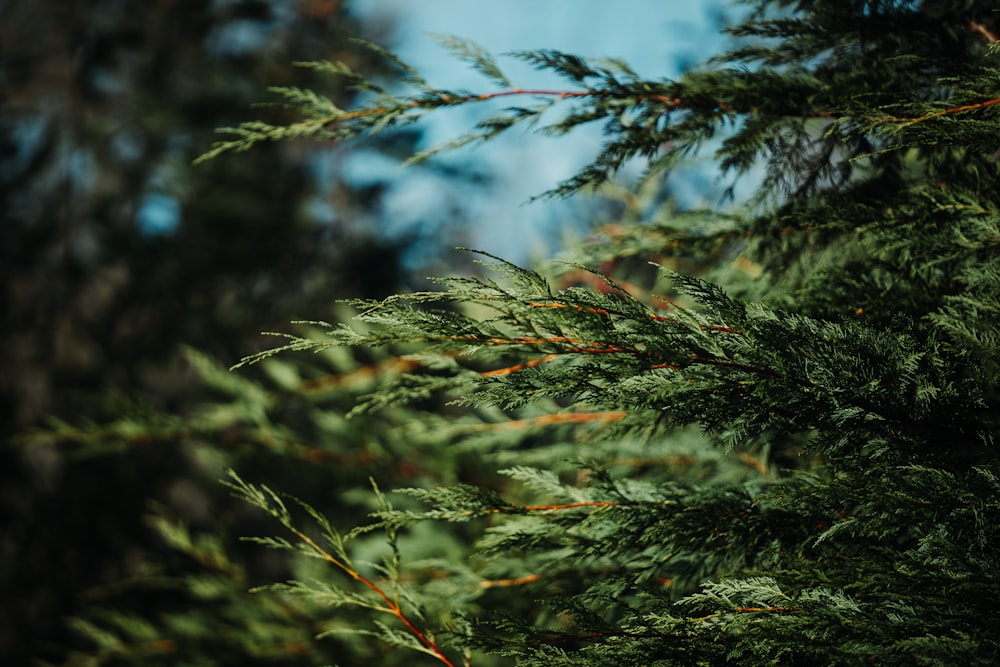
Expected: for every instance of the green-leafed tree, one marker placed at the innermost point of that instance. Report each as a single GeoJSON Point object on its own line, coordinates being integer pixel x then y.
{"type": "Point", "coordinates": [783, 454]}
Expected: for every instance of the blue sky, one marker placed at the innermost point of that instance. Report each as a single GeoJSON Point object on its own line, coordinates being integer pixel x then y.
{"type": "Point", "coordinates": [657, 38]}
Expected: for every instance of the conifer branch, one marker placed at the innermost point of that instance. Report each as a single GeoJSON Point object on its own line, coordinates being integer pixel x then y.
{"type": "Point", "coordinates": [270, 502]}
{"type": "Point", "coordinates": [827, 416]}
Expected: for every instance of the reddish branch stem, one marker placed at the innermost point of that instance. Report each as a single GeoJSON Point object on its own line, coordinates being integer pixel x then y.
{"type": "Point", "coordinates": [398, 613]}
{"type": "Point", "coordinates": [943, 112]}
{"type": "Point", "coordinates": [391, 606]}
{"type": "Point", "coordinates": [564, 418]}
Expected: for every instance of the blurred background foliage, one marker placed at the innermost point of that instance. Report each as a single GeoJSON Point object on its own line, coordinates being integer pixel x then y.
{"type": "Point", "coordinates": [115, 254]}
{"type": "Point", "coordinates": [114, 248]}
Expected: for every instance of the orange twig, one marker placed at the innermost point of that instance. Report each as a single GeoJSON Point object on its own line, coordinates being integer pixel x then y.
{"type": "Point", "coordinates": [563, 418]}
{"type": "Point", "coordinates": [569, 506]}
{"type": "Point", "coordinates": [520, 367]}
{"type": "Point", "coordinates": [519, 581]}
{"type": "Point", "coordinates": [943, 112]}
{"type": "Point", "coordinates": [575, 345]}
{"type": "Point", "coordinates": [754, 463]}
{"type": "Point", "coordinates": [600, 311]}
{"type": "Point", "coordinates": [990, 36]}
{"type": "Point", "coordinates": [395, 366]}
{"type": "Point", "coordinates": [391, 607]}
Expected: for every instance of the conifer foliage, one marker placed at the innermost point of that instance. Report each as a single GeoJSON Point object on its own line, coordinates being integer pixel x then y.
{"type": "Point", "coordinates": [786, 458]}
